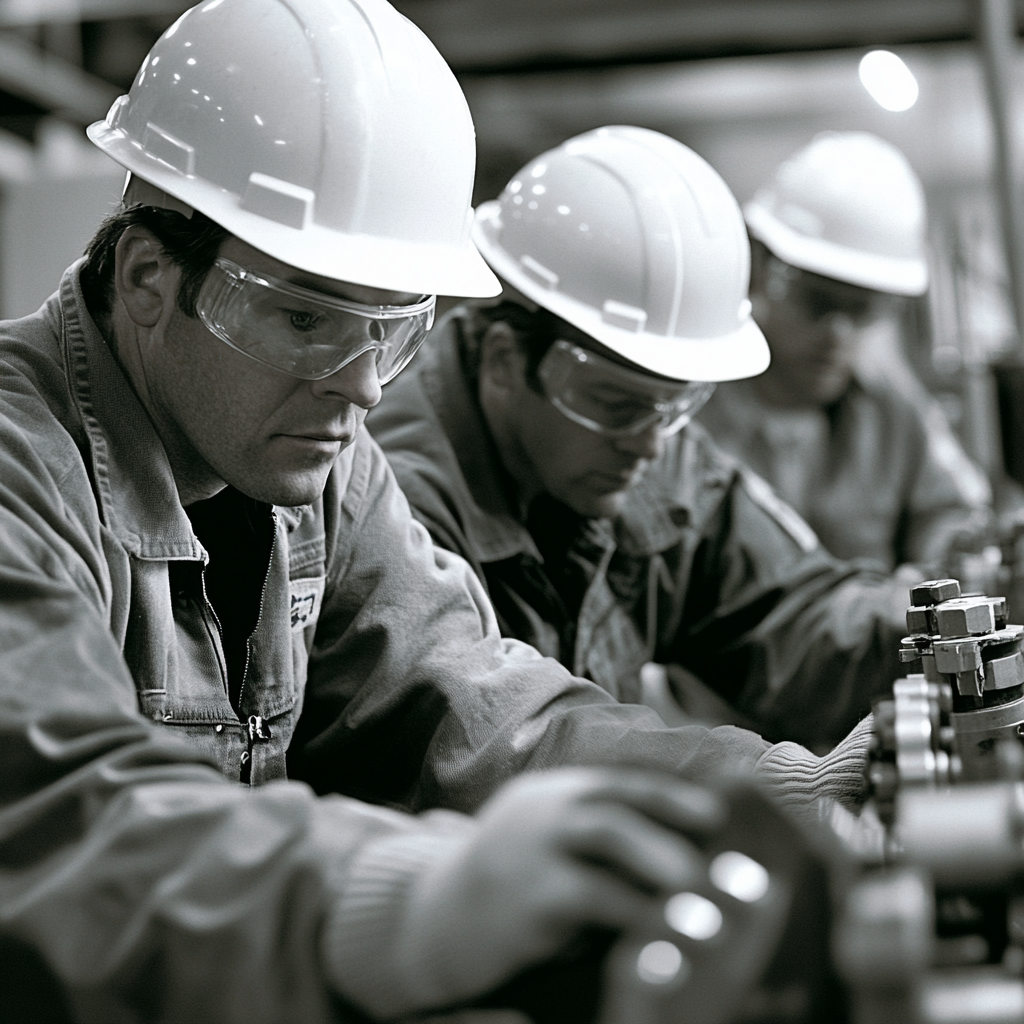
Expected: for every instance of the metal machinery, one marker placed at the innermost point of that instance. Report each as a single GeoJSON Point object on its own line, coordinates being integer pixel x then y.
{"type": "Point", "coordinates": [937, 934]}
{"type": "Point", "coordinates": [792, 927]}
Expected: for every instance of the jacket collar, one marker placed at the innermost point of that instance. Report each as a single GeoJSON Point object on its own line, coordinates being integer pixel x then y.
{"type": "Point", "coordinates": [489, 515]}
{"type": "Point", "coordinates": [655, 511]}
{"type": "Point", "coordinates": [133, 479]}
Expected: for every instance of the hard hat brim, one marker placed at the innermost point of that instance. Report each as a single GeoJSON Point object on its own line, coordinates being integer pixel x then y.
{"type": "Point", "coordinates": [867, 270]}
{"type": "Point", "coordinates": [742, 352]}
{"type": "Point", "coordinates": [376, 262]}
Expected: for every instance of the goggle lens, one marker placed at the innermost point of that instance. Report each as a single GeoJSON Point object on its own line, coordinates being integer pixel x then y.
{"type": "Point", "coordinates": [819, 297]}
{"type": "Point", "coordinates": [611, 399]}
{"type": "Point", "coordinates": [305, 333]}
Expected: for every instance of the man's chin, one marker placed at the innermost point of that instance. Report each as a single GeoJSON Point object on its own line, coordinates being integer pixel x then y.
{"type": "Point", "coordinates": [287, 489]}
{"type": "Point", "coordinates": [828, 385]}
{"type": "Point", "coordinates": [601, 505]}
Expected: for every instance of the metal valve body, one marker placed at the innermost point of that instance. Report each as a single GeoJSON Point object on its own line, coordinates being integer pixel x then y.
{"type": "Point", "coordinates": [944, 724]}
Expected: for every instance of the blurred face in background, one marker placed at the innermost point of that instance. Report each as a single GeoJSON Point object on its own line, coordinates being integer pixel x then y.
{"type": "Point", "coordinates": [543, 448]}
{"type": "Point", "coordinates": [813, 325]}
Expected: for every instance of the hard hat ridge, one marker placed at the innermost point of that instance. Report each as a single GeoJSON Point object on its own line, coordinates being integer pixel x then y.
{"type": "Point", "coordinates": [328, 133]}
{"type": "Point", "coordinates": [634, 239]}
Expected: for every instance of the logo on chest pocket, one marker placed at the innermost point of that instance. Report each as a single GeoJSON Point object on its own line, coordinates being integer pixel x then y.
{"type": "Point", "coordinates": [305, 596]}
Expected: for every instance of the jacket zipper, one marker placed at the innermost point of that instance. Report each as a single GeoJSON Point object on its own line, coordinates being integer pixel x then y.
{"type": "Point", "coordinates": [256, 727]}
{"type": "Point", "coordinates": [259, 614]}
{"type": "Point", "coordinates": [208, 607]}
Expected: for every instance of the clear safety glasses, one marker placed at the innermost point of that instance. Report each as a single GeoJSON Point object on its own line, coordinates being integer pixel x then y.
{"type": "Point", "coordinates": [307, 333]}
{"type": "Point", "coordinates": [818, 297]}
{"type": "Point", "coordinates": [611, 399]}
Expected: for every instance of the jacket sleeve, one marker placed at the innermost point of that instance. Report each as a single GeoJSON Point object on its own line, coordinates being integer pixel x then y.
{"type": "Point", "coordinates": [413, 698]}
{"type": "Point", "coordinates": [144, 882]}
{"type": "Point", "coordinates": [798, 641]}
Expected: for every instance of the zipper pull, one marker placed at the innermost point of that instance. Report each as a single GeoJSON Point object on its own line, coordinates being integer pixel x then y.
{"type": "Point", "coordinates": [257, 730]}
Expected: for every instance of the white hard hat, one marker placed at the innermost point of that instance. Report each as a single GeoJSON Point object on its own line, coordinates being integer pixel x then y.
{"type": "Point", "coordinates": [635, 240]}
{"type": "Point", "coordinates": [329, 134]}
{"type": "Point", "coordinates": [847, 206]}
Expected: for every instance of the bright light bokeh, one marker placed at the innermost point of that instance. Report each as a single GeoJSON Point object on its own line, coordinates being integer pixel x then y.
{"type": "Point", "coordinates": [889, 81]}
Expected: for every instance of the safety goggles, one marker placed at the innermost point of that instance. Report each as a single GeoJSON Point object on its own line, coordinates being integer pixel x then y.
{"type": "Point", "coordinates": [613, 400]}
{"type": "Point", "coordinates": [306, 333]}
{"type": "Point", "coordinates": [818, 297]}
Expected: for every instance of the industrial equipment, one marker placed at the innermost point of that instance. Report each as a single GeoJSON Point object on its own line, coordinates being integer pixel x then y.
{"type": "Point", "coordinates": [793, 927]}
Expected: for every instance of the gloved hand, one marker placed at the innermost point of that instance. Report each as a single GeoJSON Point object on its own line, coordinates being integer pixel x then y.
{"type": "Point", "coordinates": [799, 778]}
{"type": "Point", "coordinates": [554, 852]}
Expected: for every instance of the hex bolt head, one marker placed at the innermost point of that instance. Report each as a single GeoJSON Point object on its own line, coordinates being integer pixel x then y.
{"type": "Point", "coordinates": [957, 655]}
{"type": "Point", "coordinates": [921, 620]}
{"type": "Point", "coordinates": [966, 616]}
{"type": "Point", "coordinates": [934, 591]}
{"type": "Point", "coordinates": [1002, 673]}
{"type": "Point", "coordinates": [970, 684]}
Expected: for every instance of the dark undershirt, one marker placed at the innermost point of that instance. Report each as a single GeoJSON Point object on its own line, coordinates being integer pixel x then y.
{"type": "Point", "coordinates": [570, 562]}
{"type": "Point", "coordinates": [237, 533]}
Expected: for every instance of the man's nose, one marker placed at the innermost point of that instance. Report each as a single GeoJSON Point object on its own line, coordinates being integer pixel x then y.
{"type": "Point", "coordinates": [647, 444]}
{"type": "Point", "coordinates": [355, 382]}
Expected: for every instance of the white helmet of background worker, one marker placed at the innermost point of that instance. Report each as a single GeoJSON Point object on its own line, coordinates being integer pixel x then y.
{"type": "Point", "coordinates": [329, 134]}
{"type": "Point", "coordinates": [636, 241]}
{"type": "Point", "coordinates": [847, 206]}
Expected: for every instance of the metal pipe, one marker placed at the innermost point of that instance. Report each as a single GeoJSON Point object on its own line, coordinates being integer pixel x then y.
{"type": "Point", "coordinates": [997, 31]}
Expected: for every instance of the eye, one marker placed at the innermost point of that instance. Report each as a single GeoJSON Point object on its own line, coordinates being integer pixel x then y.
{"type": "Point", "coordinates": [303, 320]}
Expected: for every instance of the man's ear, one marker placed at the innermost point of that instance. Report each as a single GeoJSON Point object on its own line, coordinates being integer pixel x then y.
{"type": "Point", "coordinates": [145, 280]}
{"type": "Point", "coordinates": [502, 361]}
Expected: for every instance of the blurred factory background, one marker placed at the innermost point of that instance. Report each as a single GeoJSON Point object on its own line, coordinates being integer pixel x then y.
{"type": "Point", "coordinates": [743, 82]}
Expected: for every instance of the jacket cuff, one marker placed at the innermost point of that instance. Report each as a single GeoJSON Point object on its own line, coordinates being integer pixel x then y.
{"type": "Point", "coordinates": [365, 957]}
{"type": "Point", "coordinates": [799, 778]}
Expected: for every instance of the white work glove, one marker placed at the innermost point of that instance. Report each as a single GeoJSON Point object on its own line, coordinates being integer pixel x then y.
{"type": "Point", "coordinates": [552, 853]}
{"type": "Point", "coordinates": [829, 790]}
{"type": "Point", "coordinates": [799, 778]}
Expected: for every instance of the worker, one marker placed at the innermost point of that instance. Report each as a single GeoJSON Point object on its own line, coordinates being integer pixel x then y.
{"type": "Point", "coordinates": [859, 450]}
{"type": "Point", "coordinates": [540, 437]}
{"type": "Point", "coordinates": [247, 710]}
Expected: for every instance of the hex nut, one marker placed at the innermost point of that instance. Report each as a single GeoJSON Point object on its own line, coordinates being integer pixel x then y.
{"type": "Point", "coordinates": [966, 616]}
{"type": "Point", "coordinates": [934, 591]}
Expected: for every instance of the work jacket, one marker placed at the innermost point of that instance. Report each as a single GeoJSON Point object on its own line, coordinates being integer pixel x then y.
{"type": "Point", "coordinates": [882, 477]}
{"type": "Point", "coordinates": [703, 567]}
{"type": "Point", "coordinates": [130, 856]}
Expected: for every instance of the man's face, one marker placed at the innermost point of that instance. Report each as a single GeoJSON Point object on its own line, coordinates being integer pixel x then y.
{"type": "Point", "coordinates": [813, 325]}
{"type": "Point", "coordinates": [272, 436]}
{"type": "Point", "coordinates": [587, 470]}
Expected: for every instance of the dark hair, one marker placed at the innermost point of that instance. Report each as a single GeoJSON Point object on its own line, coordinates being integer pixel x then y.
{"type": "Point", "coordinates": [535, 333]}
{"type": "Point", "coordinates": [190, 243]}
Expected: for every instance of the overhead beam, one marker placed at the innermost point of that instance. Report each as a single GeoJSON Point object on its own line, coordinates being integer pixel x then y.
{"type": "Point", "coordinates": [482, 35]}
{"type": "Point", "coordinates": [20, 13]}
{"type": "Point", "coordinates": [52, 83]}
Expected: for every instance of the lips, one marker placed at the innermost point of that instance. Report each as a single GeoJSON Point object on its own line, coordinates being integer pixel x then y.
{"type": "Point", "coordinates": [327, 443]}
{"type": "Point", "coordinates": [613, 481]}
